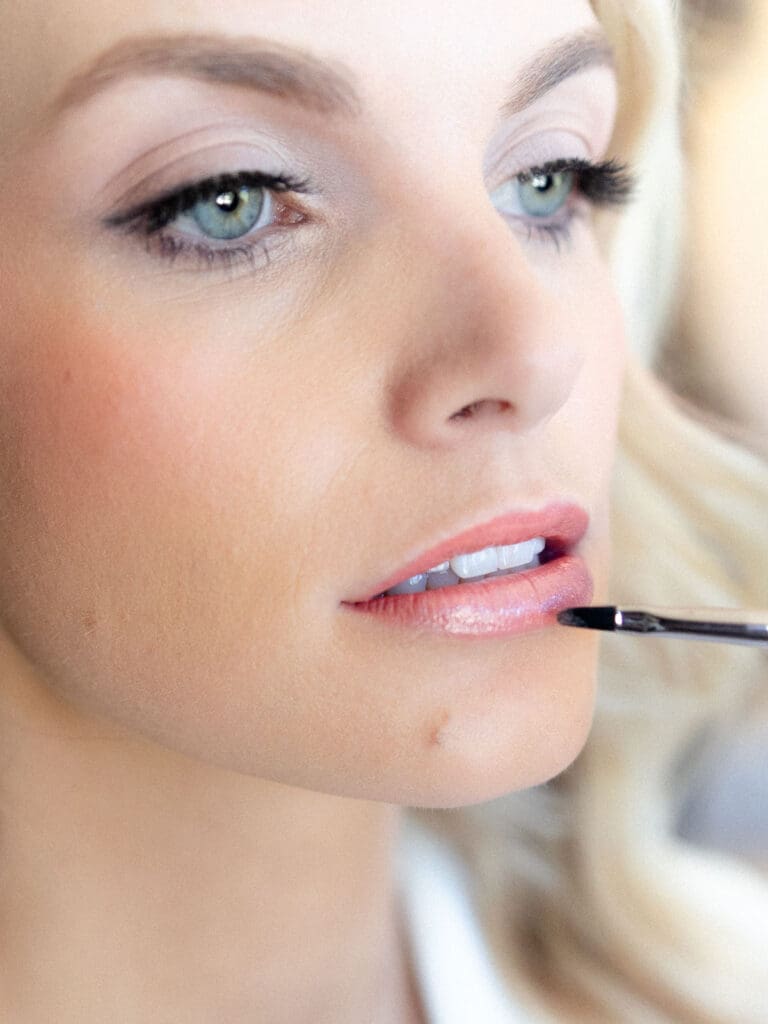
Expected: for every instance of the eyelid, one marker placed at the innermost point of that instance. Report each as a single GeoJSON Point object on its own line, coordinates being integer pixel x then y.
{"type": "Point", "coordinates": [535, 143]}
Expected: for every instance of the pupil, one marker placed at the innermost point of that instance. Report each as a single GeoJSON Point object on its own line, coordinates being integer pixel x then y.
{"type": "Point", "coordinates": [542, 182]}
{"type": "Point", "coordinates": [227, 201]}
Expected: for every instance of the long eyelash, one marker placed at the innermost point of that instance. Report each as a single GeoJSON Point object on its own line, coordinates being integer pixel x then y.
{"type": "Point", "coordinates": [606, 183]}
{"type": "Point", "coordinates": [156, 214]}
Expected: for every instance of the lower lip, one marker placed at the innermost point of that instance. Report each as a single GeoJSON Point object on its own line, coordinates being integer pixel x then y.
{"type": "Point", "coordinates": [503, 606]}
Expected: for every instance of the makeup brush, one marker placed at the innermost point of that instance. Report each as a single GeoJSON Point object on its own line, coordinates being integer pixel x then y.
{"type": "Point", "coordinates": [721, 625]}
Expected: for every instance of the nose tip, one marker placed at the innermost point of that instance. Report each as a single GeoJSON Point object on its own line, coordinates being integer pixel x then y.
{"type": "Point", "coordinates": [543, 394]}
{"type": "Point", "coordinates": [446, 402]}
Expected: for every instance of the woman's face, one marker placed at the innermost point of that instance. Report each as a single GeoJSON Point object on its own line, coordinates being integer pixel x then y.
{"type": "Point", "coordinates": [208, 457]}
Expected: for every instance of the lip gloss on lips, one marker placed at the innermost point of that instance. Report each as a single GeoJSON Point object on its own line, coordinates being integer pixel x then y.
{"type": "Point", "coordinates": [503, 605]}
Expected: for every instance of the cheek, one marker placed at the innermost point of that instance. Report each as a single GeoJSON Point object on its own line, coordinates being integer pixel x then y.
{"type": "Point", "coordinates": [90, 429]}
{"type": "Point", "coordinates": [162, 505]}
{"type": "Point", "coordinates": [603, 340]}
{"type": "Point", "coordinates": [599, 400]}
{"type": "Point", "coordinates": [134, 492]}
{"type": "Point", "coordinates": [581, 438]}
{"type": "Point", "coordinates": [128, 429]}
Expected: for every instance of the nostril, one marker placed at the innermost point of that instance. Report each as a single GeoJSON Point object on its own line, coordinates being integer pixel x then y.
{"type": "Point", "coordinates": [466, 412]}
{"type": "Point", "coordinates": [485, 407]}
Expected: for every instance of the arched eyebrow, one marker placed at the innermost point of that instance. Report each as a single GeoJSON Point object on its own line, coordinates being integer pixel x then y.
{"type": "Point", "coordinates": [560, 60]}
{"type": "Point", "coordinates": [247, 61]}
{"type": "Point", "coordinates": [327, 87]}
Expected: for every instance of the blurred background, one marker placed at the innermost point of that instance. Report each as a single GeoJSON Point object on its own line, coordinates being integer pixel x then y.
{"type": "Point", "coordinates": [716, 353]}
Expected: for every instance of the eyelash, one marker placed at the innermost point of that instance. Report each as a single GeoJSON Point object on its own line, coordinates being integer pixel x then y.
{"type": "Point", "coordinates": [601, 184]}
{"type": "Point", "coordinates": [608, 183]}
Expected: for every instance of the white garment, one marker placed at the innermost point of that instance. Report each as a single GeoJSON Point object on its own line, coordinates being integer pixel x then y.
{"type": "Point", "coordinates": [458, 982]}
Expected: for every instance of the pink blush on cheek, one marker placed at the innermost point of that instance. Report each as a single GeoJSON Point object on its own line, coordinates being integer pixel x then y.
{"type": "Point", "coordinates": [75, 418]}
{"type": "Point", "coordinates": [87, 415]}
{"type": "Point", "coordinates": [98, 504]}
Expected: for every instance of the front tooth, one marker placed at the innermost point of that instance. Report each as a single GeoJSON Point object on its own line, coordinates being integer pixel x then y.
{"type": "Point", "coordinates": [443, 567]}
{"type": "Point", "coordinates": [480, 563]}
{"type": "Point", "coordinates": [415, 585]}
{"type": "Point", "coordinates": [513, 555]}
{"type": "Point", "coordinates": [509, 555]}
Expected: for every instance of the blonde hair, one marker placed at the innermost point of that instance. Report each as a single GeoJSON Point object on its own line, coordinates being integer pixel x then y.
{"type": "Point", "coordinates": [595, 908]}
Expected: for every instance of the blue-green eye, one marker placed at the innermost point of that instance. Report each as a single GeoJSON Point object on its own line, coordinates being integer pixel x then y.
{"type": "Point", "coordinates": [538, 195]}
{"type": "Point", "coordinates": [542, 195]}
{"type": "Point", "coordinates": [230, 213]}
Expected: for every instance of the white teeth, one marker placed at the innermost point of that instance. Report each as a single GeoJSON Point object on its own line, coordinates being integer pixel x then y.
{"type": "Point", "coordinates": [518, 554]}
{"type": "Point", "coordinates": [514, 554]}
{"type": "Point", "coordinates": [479, 563]}
{"type": "Point", "coordinates": [509, 556]}
{"type": "Point", "coordinates": [474, 565]}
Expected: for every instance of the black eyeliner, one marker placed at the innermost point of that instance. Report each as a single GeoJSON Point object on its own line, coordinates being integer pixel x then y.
{"type": "Point", "coordinates": [159, 212]}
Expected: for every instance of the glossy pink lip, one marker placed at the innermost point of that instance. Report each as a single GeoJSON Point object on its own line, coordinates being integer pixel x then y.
{"type": "Point", "coordinates": [502, 606]}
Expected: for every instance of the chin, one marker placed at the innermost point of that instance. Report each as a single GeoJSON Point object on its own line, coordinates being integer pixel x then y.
{"type": "Point", "coordinates": [521, 730]}
{"type": "Point", "coordinates": [476, 780]}
{"type": "Point", "coordinates": [477, 784]}
{"type": "Point", "coordinates": [506, 734]}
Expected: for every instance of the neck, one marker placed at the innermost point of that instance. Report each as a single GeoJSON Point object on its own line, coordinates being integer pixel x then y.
{"type": "Point", "coordinates": [134, 877]}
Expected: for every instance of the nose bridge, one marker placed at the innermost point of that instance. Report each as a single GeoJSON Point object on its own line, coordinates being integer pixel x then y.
{"type": "Point", "coordinates": [486, 347]}
{"type": "Point", "coordinates": [469, 248]}
{"type": "Point", "coordinates": [485, 278]}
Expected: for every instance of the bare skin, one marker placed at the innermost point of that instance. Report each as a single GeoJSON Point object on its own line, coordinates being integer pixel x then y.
{"type": "Point", "coordinates": [203, 756]}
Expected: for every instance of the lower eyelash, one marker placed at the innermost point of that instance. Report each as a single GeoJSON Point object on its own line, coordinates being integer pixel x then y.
{"type": "Point", "coordinates": [556, 234]}
{"type": "Point", "coordinates": [171, 247]}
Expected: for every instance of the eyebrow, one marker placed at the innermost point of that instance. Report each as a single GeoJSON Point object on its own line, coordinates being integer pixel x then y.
{"type": "Point", "coordinates": [296, 75]}
{"type": "Point", "coordinates": [258, 64]}
{"type": "Point", "coordinates": [560, 60]}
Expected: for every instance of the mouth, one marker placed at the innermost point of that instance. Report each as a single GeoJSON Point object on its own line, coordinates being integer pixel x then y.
{"type": "Point", "coordinates": [508, 576]}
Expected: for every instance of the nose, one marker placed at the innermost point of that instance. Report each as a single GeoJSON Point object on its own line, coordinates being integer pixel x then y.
{"type": "Point", "coordinates": [489, 343]}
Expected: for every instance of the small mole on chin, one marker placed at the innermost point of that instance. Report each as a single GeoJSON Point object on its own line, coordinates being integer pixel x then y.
{"type": "Point", "coordinates": [438, 733]}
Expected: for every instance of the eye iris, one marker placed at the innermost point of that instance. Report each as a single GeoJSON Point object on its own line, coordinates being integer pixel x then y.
{"type": "Point", "coordinates": [542, 195]}
{"type": "Point", "coordinates": [232, 213]}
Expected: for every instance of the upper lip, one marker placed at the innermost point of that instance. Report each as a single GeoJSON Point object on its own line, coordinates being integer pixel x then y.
{"type": "Point", "coordinates": [561, 524]}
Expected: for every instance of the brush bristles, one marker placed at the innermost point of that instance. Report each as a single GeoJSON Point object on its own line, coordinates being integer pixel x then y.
{"type": "Point", "coordinates": [589, 618]}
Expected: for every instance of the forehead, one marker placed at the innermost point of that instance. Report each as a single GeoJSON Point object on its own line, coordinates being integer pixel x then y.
{"type": "Point", "coordinates": [442, 50]}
